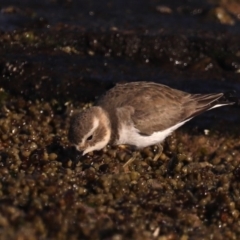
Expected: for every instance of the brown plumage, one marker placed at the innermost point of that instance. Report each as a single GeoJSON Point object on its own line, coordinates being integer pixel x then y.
{"type": "Point", "coordinates": [155, 107]}
{"type": "Point", "coordinates": [138, 113]}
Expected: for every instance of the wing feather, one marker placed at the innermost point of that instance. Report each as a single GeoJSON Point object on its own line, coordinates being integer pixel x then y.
{"type": "Point", "coordinates": [155, 106]}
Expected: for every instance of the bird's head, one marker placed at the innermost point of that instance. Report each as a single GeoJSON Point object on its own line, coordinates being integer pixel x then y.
{"type": "Point", "coordinates": [89, 130]}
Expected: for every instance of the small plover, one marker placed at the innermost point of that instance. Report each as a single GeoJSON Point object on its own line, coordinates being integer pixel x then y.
{"type": "Point", "coordinates": [138, 114]}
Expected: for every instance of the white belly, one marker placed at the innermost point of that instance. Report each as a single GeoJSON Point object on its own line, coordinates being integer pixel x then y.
{"type": "Point", "coordinates": [130, 135]}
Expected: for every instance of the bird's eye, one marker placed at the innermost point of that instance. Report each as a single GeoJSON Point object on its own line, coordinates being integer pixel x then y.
{"type": "Point", "coordinates": [90, 138]}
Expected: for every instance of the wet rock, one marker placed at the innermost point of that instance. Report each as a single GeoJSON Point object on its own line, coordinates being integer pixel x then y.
{"type": "Point", "coordinates": [221, 15]}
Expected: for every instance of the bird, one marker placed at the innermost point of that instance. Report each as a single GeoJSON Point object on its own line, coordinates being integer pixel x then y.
{"type": "Point", "coordinates": [138, 114]}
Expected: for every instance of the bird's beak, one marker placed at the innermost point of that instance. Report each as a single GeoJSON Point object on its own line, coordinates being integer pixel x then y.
{"type": "Point", "coordinates": [83, 153]}
{"type": "Point", "coordinates": [79, 150]}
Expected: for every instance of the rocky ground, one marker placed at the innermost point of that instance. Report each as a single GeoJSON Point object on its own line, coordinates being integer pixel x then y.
{"type": "Point", "coordinates": [57, 56]}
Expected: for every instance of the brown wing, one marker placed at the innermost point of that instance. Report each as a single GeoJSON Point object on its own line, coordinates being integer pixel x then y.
{"type": "Point", "coordinates": [156, 107]}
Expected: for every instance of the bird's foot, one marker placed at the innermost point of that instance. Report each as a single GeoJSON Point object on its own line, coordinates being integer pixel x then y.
{"type": "Point", "coordinates": [131, 159]}
{"type": "Point", "coordinates": [131, 151]}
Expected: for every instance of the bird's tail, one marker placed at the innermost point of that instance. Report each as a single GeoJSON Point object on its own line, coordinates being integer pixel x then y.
{"type": "Point", "coordinates": [230, 98]}
{"type": "Point", "coordinates": [205, 102]}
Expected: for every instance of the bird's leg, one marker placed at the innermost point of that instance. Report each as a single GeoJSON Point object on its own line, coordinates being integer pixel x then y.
{"type": "Point", "coordinates": [172, 163]}
{"type": "Point", "coordinates": [131, 159]}
{"type": "Point", "coordinates": [128, 148]}
{"type": "Point", "coordinates": [160, 147]}
{"type": "Point", "coordinates": [158, 152]}
{"type": "Point", "coordinates": [131, 150]}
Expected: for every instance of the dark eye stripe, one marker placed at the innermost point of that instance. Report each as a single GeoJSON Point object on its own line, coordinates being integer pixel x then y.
{"type": "Point", "coordinates": [89, 138]}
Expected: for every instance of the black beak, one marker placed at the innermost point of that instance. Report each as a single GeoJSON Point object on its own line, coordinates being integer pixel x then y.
{"type": "Point", "coordinates": [74, 154]}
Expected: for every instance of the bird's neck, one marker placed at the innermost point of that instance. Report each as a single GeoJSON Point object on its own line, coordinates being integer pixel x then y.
{"type": "Point", "coordinates": [112, 119]}
{"type": "Point", "coordinates": [105, 122]}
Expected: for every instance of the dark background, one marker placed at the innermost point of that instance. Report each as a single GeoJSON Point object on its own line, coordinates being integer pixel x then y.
{"type": "Point", "coordinates": [56, 56]}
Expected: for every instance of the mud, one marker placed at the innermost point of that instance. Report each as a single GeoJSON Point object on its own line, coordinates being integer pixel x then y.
{"type": "Point", "coordinates": [57, 56]}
